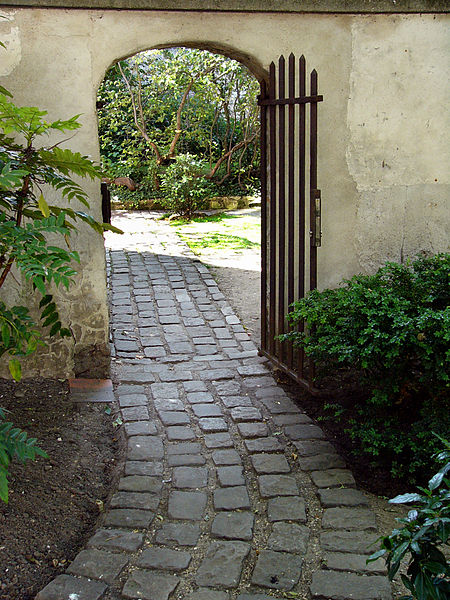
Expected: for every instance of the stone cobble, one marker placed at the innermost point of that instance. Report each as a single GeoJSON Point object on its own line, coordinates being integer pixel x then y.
{"type": "Point", "coordinates": [229, 491]}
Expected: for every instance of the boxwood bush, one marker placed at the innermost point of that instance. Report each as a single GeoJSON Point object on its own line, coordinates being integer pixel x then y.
{"type": "Point", "coordinates": [393, 329]}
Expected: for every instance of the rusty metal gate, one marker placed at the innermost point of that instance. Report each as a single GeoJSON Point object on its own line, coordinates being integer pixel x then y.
{"type": "Point", "coordinates": [291, 228]}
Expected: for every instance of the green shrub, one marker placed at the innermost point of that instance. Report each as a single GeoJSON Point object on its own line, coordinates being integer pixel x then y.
{"type": "Point", "coordinates": [393, 328]}
{"type": "Point", "coordinates": [424, 534]}
{"type": "Point", "coordinates": [184, 186]}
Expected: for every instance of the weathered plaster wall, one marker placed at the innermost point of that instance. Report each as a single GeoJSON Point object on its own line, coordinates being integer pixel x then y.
{"type": "Point", "coordinates": [382, 126]}
{"type": "Point", "coordinates": [399, 152]}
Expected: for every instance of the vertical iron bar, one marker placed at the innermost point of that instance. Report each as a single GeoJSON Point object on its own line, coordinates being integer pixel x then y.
{"type": "Point", "coordinates": [281, 207]}
{"type": "Point", "coordinates": [313, 182]}
{"type": "Point", "coordinates": [291, 205]}
{"type": "Point", "coordinates": [313, 186]}
{"type": "Point", "coordinates": [272, 212]}
{"type": "Point", "coordinates": [302, 203]}
{"type": "Point", "coordinates": [263, 167]}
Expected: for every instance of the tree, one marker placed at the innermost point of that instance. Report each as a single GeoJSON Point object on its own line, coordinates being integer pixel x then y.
{"type": "Point", "coordinates": [163, 102]}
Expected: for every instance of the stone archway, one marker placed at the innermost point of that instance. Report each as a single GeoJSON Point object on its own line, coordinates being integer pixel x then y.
{"type": "Point", "coordinates": [378, 188]}
{"type": "Point", "coordinates": [251, 65]}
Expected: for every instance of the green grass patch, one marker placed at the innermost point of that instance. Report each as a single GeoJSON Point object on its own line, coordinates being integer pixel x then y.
{"type": "Point", "coordinates": [217, 218]}
{"type": "Point", "coordinates": [217, 241]}
{"type": "Point", "coordinates": [221, 231]}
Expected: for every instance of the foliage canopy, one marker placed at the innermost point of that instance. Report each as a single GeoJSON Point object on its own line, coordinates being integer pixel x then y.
{"type": "Point", "coordinates": [161, 103]}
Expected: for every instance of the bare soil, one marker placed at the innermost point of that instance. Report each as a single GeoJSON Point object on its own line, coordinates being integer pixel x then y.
{"type": "Point", "coordinates": [54, 504]}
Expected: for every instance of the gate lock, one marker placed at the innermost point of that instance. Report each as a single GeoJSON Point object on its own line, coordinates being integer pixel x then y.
{"type": "Point", "coordinates": [316, 219]}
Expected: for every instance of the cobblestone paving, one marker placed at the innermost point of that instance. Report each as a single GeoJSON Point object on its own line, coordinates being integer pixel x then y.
{"type": "Point", "coordinates": [229, 491]}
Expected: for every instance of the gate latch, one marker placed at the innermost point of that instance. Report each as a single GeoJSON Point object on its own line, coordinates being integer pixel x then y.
{"type": "Point", "coordinates": [316, 218]}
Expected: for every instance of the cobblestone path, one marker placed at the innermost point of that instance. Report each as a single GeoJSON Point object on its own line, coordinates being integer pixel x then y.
{"type": "Point", "coordinates": [229, 491]}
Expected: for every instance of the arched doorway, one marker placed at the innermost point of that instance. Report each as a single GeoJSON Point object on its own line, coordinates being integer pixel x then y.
{"type": "Point", "coordinates": [289, 258]}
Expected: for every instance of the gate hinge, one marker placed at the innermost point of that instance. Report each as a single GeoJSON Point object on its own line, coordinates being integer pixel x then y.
{"type": "Point", "coordinates": [316, 218]}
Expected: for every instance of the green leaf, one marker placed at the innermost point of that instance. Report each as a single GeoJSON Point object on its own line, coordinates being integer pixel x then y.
{"type": "Point", "coordinates": [39, 283]}
{"type": "Point", "coordinates": [405, 498]}
{"type": "Point", "coordinates": [436, 481]}
{"type": "Point", "coordinates": [3, 487]}
{"type": "Point", "coordinates": [3, 90]}
{"type": "Point", "coordinates": [50, 308]}
{"type": "Point", "coordinates": [51, 319]}
{"type": "Point", "coordinates": [376, 555]}
{"type": "Point", "coordinates": [6, 334]}
{"type": "Point", "coordinates": [55, 328]}
{"type": "Point", "coordinates": [45, 300]}
{"type": "Point", "coordinates": [15, 368]}
{"type": "Point", "coordinates": [43, 206]}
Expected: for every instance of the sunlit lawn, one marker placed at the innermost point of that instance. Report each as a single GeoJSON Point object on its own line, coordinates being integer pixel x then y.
{"type": "Point", "coordinates": [224, 231]}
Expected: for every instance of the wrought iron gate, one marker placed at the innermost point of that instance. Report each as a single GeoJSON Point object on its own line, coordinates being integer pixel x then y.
{"type": "Point", "coordinates": [291, 228]}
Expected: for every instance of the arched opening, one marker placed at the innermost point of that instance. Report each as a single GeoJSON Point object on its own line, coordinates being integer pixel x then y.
{"type": "Point", "coordinates": [159, 110]}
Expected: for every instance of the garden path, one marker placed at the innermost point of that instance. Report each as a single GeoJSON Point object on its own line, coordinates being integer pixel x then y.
{"type": "Point", "coordinates": [229, 491]}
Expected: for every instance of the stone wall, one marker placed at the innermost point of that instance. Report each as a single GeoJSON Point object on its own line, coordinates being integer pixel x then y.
{"type": "Point", "coordinates": [383, 131]}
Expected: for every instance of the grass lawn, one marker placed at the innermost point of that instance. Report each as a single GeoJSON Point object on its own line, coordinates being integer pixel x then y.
{"type": "Point", "coordinates": [236, 231]}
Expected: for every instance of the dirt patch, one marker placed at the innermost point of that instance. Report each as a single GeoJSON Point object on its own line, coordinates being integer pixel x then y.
{"type": "Point", "coordinates": [54, 504]}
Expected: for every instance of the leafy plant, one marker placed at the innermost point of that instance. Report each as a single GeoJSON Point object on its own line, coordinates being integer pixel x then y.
{"type": "Point", "coordinates": [333, 410]}
{"type": "Point", "coordinates": [393, 329]}
{"type": "Point", "coordinates": [26, 221]}
{"type": "Point", "coordinates": [14, 443]}
{"type": "Point", "coordinates": [424, 535]}
{"type": "Point", "coordinates": [184, 187]}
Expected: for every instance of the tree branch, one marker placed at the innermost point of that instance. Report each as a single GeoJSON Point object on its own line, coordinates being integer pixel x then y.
{"type": "Point", "coordinates": [178, 130]}
{"type": "Point", "coordinates": [140, 126]}
{"type": "Point", "coordinates": [228, 155]}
